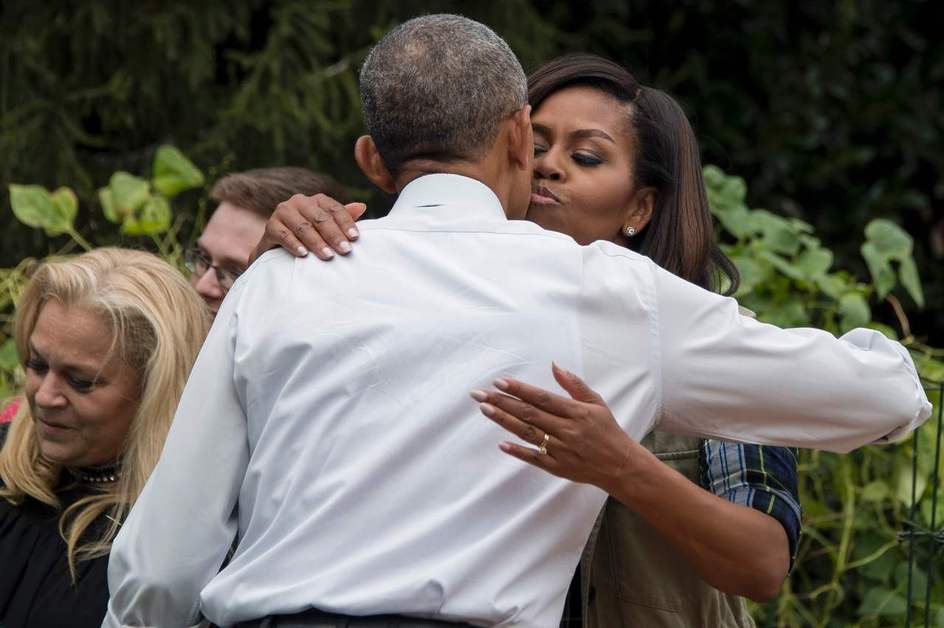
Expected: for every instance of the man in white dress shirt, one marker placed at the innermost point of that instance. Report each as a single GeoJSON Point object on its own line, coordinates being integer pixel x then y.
{"type": "Point", "coordinates": [327, 425]}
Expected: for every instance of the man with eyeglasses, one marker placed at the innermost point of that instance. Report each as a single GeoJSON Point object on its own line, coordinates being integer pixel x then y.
{"type": "Point", "coordinates": [245, 201]}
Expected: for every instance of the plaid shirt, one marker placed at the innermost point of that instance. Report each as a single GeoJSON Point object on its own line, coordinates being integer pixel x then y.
{"type": "Point", "coordinates": [757, 476]}
{"type": "Point", "coordinates": [764, 478]}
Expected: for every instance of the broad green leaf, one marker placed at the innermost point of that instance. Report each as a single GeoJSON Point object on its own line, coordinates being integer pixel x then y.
{"type": "Point", "coordinates": [174, 173]}
{"type": "Point", "coordinates": [780, 263]}
{"type": "Point", "coordinates": [713, 176]}
{"type": "Point", "coordinates": [128, 193]}
{"type": "Point", "coordinates": [931, 369]}
{"type": "Point", "coordinates": [34, 206]}
{"type": "Point", "coordinates": [880, 569]}
{"type": "Point", "coordinates": [890, 240]}
{"type": "Point", "coordinates": [880, 268]}
{"type": "Point", "coordinates": [832, 285]}
{"type": "Point", "coordinates": [815, 262]}
{"type": "Point", "coordinates": [785, 314]}
{"type": "Point", "coordinates": [854, 310]}
{"type": "Point", "coordinates": [153, 218]}
{"type": "Point", "coordinates": [733, 190]}
{"type": "Point", "coordinates": [778, 233]}
{"type": "Point", "coordinates": [919, 578]}
{"type": "Point", "coordinates": [879, 601]}
{"type": "Point", "coordinates": [801, 226]}
{"type": "Point", "coordinates": [8, 357]}
{"type": "Point", "coordinates": [736, 219]}
{"type": "Point", "coordinates": [107, 199]}
{"type": "Point", "coordinates": [908, 274]}
{"type": "Point", "coordinates": [67, 204]}
{"type": "Point", "coordinates": [875, 491]}
{"type": "Point", "coordinates": [905, 483]}
{"type": "Point", "coordinates": [752, 273]}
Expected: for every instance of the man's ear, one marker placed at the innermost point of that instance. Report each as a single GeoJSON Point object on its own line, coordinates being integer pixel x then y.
{"type": "Point", "coordinates": [640, 211]}
{"type": "Point", "coordinates": [368, 159]}
{"type": "Point", "coordinates": [521, 138]}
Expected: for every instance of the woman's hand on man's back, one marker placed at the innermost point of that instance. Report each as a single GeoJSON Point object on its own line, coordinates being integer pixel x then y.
{"type": "Point", "coordinates": [316, 223]}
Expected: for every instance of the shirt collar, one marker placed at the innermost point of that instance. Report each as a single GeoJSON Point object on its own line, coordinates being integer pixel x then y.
{"type": "Point", "coordinates": [476, 199]}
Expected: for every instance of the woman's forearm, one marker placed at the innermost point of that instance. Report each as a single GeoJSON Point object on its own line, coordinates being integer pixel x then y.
{"type": "Point", "coordinates": [734, 548]}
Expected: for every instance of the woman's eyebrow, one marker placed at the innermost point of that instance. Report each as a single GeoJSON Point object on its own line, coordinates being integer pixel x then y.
{"type": "Point", "coordinates": [577, 135]}
{"type": "Point", "coordinates": [85, 368]}
{"type": "Point", "coordinates": [585, 133]}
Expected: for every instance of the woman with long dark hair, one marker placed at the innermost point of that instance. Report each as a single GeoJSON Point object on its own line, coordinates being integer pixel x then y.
{"type": "Point", "coordinates": [687, 519]}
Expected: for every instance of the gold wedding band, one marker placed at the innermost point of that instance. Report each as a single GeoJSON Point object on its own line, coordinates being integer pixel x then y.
{"type": "Point", "coordinates": [543, 448]}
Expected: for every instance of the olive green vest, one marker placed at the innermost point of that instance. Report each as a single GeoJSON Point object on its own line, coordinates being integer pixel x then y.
{"type": "Point", "coordinates": [632, 577]}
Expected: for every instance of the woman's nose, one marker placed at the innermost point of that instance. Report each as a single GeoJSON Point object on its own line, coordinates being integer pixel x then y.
{"type": "Point", "coordinates": [546, 166]}
{"type": "Point", "coordinates": [49, 394]}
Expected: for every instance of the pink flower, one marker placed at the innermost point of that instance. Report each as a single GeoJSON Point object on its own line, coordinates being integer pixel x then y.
{"type": "Point", "coordinates": [7, 413]}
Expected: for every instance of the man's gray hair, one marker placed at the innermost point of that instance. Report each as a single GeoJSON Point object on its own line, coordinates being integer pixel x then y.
{"type": "Point", "coordinates": [438, 87]}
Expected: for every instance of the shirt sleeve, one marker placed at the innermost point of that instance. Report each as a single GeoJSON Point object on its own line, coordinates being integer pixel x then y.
{"type": "Point", "coordinates": [731, 377]}
{"type": "Point", "coordinates": [760, 477]}
{"type": "Point", "coordinates": [181, 527]}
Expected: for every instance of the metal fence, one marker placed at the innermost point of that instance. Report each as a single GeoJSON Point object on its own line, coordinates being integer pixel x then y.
{"type": "Point", "coordinates": [925, 542]}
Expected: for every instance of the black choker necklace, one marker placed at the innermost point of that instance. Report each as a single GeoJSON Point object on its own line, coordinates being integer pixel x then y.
{"type": "Point", "coordinates": [102, 474]}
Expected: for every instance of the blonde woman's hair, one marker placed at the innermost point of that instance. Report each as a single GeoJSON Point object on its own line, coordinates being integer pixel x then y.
{"type": "Point", "coordinates": [159, 324]}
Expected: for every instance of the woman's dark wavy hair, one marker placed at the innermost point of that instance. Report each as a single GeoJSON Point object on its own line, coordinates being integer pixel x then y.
{"type": "Point", "coordinates": [680, 235]}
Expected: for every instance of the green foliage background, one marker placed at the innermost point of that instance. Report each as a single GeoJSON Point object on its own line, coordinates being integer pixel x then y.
{"type": "Point", "coordinates": [832, 112]}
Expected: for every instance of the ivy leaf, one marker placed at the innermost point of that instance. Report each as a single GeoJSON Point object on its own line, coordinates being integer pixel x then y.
{"type": "Point", "coordinates": [752, 274]}
{"type": "Point", "coordinates": [66, 204]}
{"type": "Point", "coordinates": [908, 274]}
{"type": "Point", "coordinates": [34, 206]}
{"type": "Point", "coordinates": [890, 240]}
{"type": "Point", "coordinates": [733, 190]}
{"type": "Point", "coordinates": [814, 262]}
{"type": "Point", "coordinates": [854, 310]}
{"type": "Point", "coordinates": [904, 483]}
{"type": "Point", "coordinates": [777, 232]}
{"type": "Point", "coordinates": [128, 193]}
{"type": "Point", "coordinates": [832, 285]}
{"type": "Point", "coordinates": [880, 601]}
{"type": "Point", "coordinates": [107, 199]}
{"type": "Point", "coordinates": [173, 172]}
{"type": "Point", "coordinates": [736, 219]}
{"type": "Point", "coordinates": [875, 491]}
{"type": "Point", "coordinates": [154, 217]}
{"type": "Point", "coordinates": [879, 267]}
{"type": "Point", "coordinates": [780, 263]}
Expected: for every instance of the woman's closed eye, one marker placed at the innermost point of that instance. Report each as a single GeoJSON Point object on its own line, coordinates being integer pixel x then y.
{"type": "Point", "coordinates": [37, 365]}
{"type": "Point", "coordinates": [80, 384]}
{"type": "Point", "coordinates": [539, 149]}
{"type": "Point", "coordinates": [586, 159]}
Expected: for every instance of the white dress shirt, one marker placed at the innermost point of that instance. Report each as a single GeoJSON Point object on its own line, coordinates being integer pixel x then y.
{"type": "Point", "coordinates": [327, 423]}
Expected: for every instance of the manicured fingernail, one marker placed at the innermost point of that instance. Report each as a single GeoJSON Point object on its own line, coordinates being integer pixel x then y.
{"type": "Point", "coordinates": [353, 233]}
{"type": "Point", "coordinates": [479, 395]}
{"type": "Point", "coordinates": [302, 251]}
{"type": "Point", "coordinates": [327, 253]}
{"type": "Point", "coordinates": [345, 246]}
{"type": "Point", "coordinates": [487, 409]}
{"type": "Point", "coordinates": [505, 447]}
{"type": "Point", "coordinates": [501, 384]}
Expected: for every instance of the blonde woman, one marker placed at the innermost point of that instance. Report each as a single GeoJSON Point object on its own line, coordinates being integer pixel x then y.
{"type": "Point", "coordinates": [107, 340]}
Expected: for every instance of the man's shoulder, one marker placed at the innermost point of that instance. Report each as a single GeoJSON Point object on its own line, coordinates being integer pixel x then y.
{"type": "Point", "coordinates": [615, 251]}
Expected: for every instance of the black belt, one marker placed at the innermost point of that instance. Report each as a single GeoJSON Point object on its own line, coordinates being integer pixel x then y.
{"type": "Point", "coordinates": [314, 618]}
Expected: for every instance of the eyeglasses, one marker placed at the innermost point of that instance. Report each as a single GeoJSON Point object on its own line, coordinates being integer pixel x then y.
{"type": "Point", "coordinates": [197, 263]}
